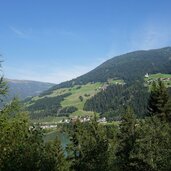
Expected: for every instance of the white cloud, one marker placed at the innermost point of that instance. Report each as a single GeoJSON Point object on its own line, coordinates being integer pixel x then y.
{"type": "Point", "coordinates": [151, 36]}
{"type": "Point", "coordinates": [21, 33]}
{"type": "Point", "coordinates": [39, 33]}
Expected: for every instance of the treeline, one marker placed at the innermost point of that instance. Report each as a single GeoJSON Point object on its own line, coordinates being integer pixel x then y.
{"type": "Point", "coordinates": [66, 111]}
{"type": "Point", "coordinates": [112, 101]}
{"type": "Point", "coordinates": [132, 145]}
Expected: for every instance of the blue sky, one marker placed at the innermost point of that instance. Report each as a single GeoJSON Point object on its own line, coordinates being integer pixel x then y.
{"type": "Point", "coordinates": [57, 40]}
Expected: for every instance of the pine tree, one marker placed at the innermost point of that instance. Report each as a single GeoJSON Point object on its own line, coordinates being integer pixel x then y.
{"type": "Point", "coordinates": [168, 111]}
{"type": "Point", "coordinates": [152, 148]}
{"type": "Point", "coordinates": [3, 88]}
{"type": "Point", "coordinates": [89, 146]}
{"type": "Point", "coordinates": [54, 157]}
{"type": "Point", "coordinates": [126, 139]}
{"type": "Point", "coordinates": [22, 147]}
{"type": "Point", "coordinates": [159, 103]}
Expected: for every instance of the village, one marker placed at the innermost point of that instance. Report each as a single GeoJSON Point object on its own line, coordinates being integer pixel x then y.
{"type": "Point", "coordinates": [82, 119]}
{"type": "Point", "coordinates": [149, 78]}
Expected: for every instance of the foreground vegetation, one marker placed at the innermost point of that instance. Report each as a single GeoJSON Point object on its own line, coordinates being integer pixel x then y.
{"type": "Point", "coordinates": [140, 145]}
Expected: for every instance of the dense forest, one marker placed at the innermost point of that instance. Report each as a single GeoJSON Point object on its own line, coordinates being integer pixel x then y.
{"type": "Point", "coordinates": [113, 100]}
{"type": "Point", "coordinates": [132, 144]}
{"type": "Point", "coordinates": [47, 106]}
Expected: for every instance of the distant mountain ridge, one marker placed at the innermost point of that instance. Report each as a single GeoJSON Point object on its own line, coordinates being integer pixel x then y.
{"type": "Point", "coordinates": [24, 88]}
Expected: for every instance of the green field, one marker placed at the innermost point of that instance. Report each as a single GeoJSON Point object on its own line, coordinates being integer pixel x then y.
{"type": "Point", "coordinates": [49, 119]}
{"type": "Point", "coordinates": [159, 75]}
{"type": "Point", "coordinates": [112, 81]}
{"type": "Point", "coordinates": [166, 78]}
{"type": "Point", "coordinates": [84, 91]}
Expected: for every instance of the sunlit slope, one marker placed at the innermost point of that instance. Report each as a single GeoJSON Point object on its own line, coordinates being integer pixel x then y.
{"type": "Point", "coordinates": [90, 92]}
{"type": "Point", "coordinates": [166, 78]}
{"type": "Point", "coordinates": [76, 96]}
{"type": "Point", "coordinates": [128, 67]}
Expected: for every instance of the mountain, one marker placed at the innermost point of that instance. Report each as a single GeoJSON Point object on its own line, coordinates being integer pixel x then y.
{"type": "Point", "coordinates": [106, 89]}
{"type": "Point", "coordinates": [129, 67]}
{"type": "Point", "coordinates": [24, 88]}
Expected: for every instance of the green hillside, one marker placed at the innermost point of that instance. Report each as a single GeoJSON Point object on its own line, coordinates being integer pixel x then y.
{"type": "Point", "coordinates": [166, 78]}
{"type": "Point", "coordinates": [75, 96]}
{"type": "Point", "coordinates": [107, 89]}
{"type": "Point", "coordinates": [128, 67]}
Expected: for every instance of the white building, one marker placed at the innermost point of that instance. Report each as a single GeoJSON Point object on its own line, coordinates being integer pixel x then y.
{"type": "Point", "coordinates": [146, 75]}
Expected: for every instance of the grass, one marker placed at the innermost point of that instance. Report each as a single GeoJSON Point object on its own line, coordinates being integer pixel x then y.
{"type": "Point", "coordinates": [86, 91]}
{"type": "Point", "coordinates": [49, 119]}
{"type": "Point", "coordinates": [159, 75]}
{"type": "Point", "coordinates": [112, 81]}
{"type": "Point", "coordinates": [154, 77]}
{"type": "Point", "coordinates": [114, 123]}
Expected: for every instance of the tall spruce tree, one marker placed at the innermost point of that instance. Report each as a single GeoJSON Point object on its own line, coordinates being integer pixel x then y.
{"type": "Point", "coordinates": [159, 103]}
{"type": "Point", "coordinates": [152, 148]}
{"type": "Point", "coordinates": [126, 139]}
{"type": "Point", "coordinates": [22, 147]}
{"type": "Point", "coordinates": [89, 146]}
{"type": "Point", "coordinates": [54, 158]}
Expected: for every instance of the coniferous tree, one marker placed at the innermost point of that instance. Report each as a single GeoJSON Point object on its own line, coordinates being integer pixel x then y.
{"type": "Point", "coordinates": [152, 147]}
{"type": "Point", "coordinates": [22, 147]}
{"type": "Point", "coordinates": [54, 157]}
{"type": "Point", "coordinates": [126, 139]}
{"type": "Point", "coordinates": [159, 103]}
{"type": "Point", "coordinates": [89, 147]}
{"type": "Point", "coordinates": [3, 87]}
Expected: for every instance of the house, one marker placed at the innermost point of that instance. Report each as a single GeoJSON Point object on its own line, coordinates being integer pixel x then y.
{"type": "Point", "coordinates": [146, 75]}
{"type": "Point", "coordinates": [102, 120]}
{"type": "Point", "coordinates": [66, 121]}
{"type": "Point", "coordinates": [85, 119]}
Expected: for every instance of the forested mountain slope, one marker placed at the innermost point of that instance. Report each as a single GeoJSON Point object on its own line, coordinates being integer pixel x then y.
{"type": "Point", "coordinates": [129, 67]}
{"type": "Point", "coordinates": [110, 87]}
